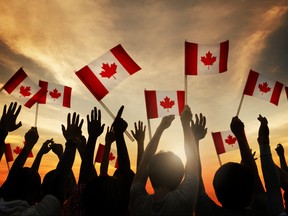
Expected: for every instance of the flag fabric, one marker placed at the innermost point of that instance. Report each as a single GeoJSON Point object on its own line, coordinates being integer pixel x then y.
{"type": "Point", "coordinates": [23, 88]}
{"type": "Point", "coordinates": [113, 161]}
{"type": "Point", "coordinates": [224, 141]}
{"type": "Point", "coordinates": [13, 150]}
{"type": "Point", "coordinates": [163, 103]}
{"type": "Point", "coordinates": [55, 94]}
{"type": "Point", "coordinates": [206, 59]}
{"type": "Point", "coordinates": [107, 71]}
{"type": "Point", "coordinates": [262, 87]}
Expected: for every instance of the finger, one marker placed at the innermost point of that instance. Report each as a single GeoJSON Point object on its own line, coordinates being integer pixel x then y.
{"type": "Point", "coordinates": [73, 118]}
{"type": "Point", "coordinates": [204, 121]}
{"type": "Point", "coordinates": [120, 111]}
{"type": "Point", "coordinates": [10, 107]}
{"type": "Point", "coordinates": [18, 125]}
{"type": "Point", "coordinates": [81, 123]}
{"type": "Point", "coordinates": [133, 134]}
{"type": "Point", "coordinates": [197, 120]}
{"type": "Point", "coordinates": [68, 119]}
{"type": "Point", "coordinates": [99, 115]}
{"type": "Point", "coordinates": [13, 107]}
{"type": "Point", "coordinates": [135, 126]}
{"type": "Point", "coordinates": [18, 111]}
{"type": "Point", "coordinates": [144, 128]}
{"type": "Point", "coordinates": [63, 128]}
{"type": "Point", "coordinates": [77, 119]}
{"type": "Point", "coordinates": [4, 110]}
{"type": "Point", "coordinates": [88, 119]}
{"type": "Point", "coordinates": [141, 125]}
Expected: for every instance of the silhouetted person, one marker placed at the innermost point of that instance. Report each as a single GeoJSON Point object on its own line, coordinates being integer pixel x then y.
{"type": "Point", "coordinates": [175, 186]}
{"type": "Point", "coordinates": [270, 174]}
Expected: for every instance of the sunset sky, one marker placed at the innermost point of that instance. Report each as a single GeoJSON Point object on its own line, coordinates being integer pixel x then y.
{"type": "Point", "coordinates": [51, 40]}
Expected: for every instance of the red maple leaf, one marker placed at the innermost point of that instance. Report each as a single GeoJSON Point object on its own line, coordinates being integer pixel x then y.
{"type": "Point", "coordinates": [17, 150]}
{"type": "Point", "coordinates": [111, 156]}
{"type": "Point", "coordinates": [167, 103]}
{"type": "Point", "coordinates": [264, 88]}
{"type": "Point", "coordinates": [55, 94]}
{"type": "Point", "coordinates": [208, 59]}
{"type": "Point", "coordinates": [230, 140]}
{"type": "Point", "coordinates": [108, 71]}
{"type": "Point", "coordinates": [25, 91]}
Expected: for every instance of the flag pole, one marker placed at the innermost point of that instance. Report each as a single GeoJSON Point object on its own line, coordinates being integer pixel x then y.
{"type": "Point", "coordinates": [149, 129]}
{"type": "Point", "coordinates": [36, 114]}
{"type": "Point", "coordinates": [219, 160]}
{"type": "Point", "coordinates": [240, 105]}
{"type": "Point", "coordinates": [185, 88]}
{"type": "Point", "coordinates": [111, 114]}
{"type": "Point", "coordinates": [7, 162]}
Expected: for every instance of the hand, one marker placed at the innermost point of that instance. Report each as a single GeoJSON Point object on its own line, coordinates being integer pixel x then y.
{"type": "Point", "coordinates": [94, 125]}
{"type": "Point", "coordinates": [73, 130]}
{"type": "Point", "coordinates": [110, 136]}
{"type": "Point", "coordinates": [237, 126]}
{"type": "Point", "coordinates": [8, 119]}
{"type": "Point", "coordinates": [166, 121]}
{"type": "Point", "coordinates": [263, 129]}
{"type": "Point", "coordinates": [46, 147]}
{"type": "Point", "coordinates": [119, 125]}
{"type": "Point", "coordinates": [139, 134]}
{"type": "Point", "coordinates": [280, 150]}
{"type": "Point", "coordinates": [263, 133]}
{"type": "Point", "coordinates": [186, 115]}
{"type": "Point", "coordinates": [57, 149]}
{"type": "Point", "coordinates": [198, 127]}
{"type": "Point", "coordinates": [253, 154]}
{"type": "Point", "coordinates": [31, 136]}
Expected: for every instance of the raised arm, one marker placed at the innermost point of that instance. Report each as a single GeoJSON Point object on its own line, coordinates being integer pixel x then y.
{"type": "Point", "coordinates": [72, 134]}
{"type": "Point", "coordinates": [119, 126]}
{"type": "Point", "coordinates": [46, 147]}
{"type": "Point", "coordinates": [139, 136]}
{"type": "Point", "coordinates": [270, 174]}
{"type": "Point", "coordinates": [31, 138]}
{"type": "Point", "coordinates": [109, 139]}
{"type": "Point", "coordinates": [280, 152]}
{"type": "Point", "coordinates": [247, 158]}
{"type": "Point", "coordinates": [95, 129]}
{"type": "Point", "coordinates": [8, 123]}
{"type": "Point", "coordinates": [142, 172]}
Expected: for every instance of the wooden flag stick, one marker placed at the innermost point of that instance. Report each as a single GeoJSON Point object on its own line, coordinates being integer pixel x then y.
{"type": "Point", "coordinates": [1, 88]}
{"type": "Point", "coordinates": [219, 160]}
{"type": "Point", "coordinates": [240, 105]}
{"type": "Point", "coordinates": [149, 128]}
{"type": "Point", "coordinates": [7, 161]}
{"type": "Point", "coordinates": [111, 114]}
{"type": "Point", "coordinates": [36, 115]}
{"type": "Point", "coordinates": [185, 88]}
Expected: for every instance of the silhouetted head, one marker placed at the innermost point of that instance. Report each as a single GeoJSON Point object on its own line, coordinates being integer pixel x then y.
{"type": "Point", "coordinates": [165, 169]}
{"type": "Point", "coordinates": [103, 194]}
{"type": "Point", "coordinates": [49, 181]}
{"type": "Point", "coordinates": [234, 185]}
{"type": "Point", "coordinates": [23, 184]}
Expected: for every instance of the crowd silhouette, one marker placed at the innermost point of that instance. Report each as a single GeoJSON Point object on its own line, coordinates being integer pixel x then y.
{"type": "Point", "coordinates": [178, 189]}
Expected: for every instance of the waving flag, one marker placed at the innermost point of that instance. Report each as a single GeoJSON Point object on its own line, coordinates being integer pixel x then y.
{"type": "Point", "coordinates": [224, 141]}
{"type": "Point", "coordinates": [203, 59]}
{"type": "Point", "coordinates": [107, 71]}
{"type": "Point", "coordinates": [23, 88]}
{"type": "Point", "coordinates": [163, 103]}
{"type": "Point", "coordinates": [55, 94]}
{"type": "Point", "coordinates": [13, 150]}
{"type": "Point", "coordinates": [113, 161]}
{"type": "Point", "coordinates": [262, 87]}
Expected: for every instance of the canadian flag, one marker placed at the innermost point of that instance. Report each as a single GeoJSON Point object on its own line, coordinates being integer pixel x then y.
{"type": "Point", "coordinates": [13, 150]}
{"type": "Point", "coordinates": [55, 94]}
{"type": "Point", "coordinates": [262, 87]}
{"type": "Point", "coordinates": [107, 71]}
{"type": "Point", "coordinates": [224, 141]}
{"type": "Point", "coordinates": [113, 161]}
{"type": "Point", "coordinates": [206, 59]}
{"type": "Point", "coordinates": [163, 103]}
{"type": "Point", "coordinates": [23, 88]}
